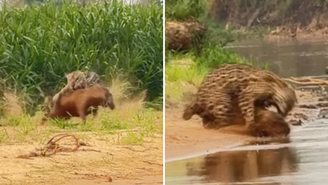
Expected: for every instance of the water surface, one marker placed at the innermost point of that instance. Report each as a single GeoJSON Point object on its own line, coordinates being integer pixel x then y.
{"type": "Point", "coordinates": [287, 58]}
{"type": "Point", "coordinates": [300, 160]}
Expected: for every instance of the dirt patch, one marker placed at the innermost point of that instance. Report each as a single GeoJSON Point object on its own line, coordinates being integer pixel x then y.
{"type": "Point", "coordinates": [100, 163]}
{"type": "Point", "coordinates": [188, 138]}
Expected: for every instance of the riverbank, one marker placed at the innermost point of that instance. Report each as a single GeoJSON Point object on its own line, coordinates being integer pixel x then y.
{"type": "Point", "coordinates": [186, 139]}
{"type": "Point", "coordinates": [294, 18]}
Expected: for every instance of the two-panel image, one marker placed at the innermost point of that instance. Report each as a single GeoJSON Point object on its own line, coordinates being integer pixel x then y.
{"type": "Point", "coordinates": [176, 92]}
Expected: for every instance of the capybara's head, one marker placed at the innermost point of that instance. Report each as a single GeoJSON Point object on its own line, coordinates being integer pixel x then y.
{"type": "Point", "coordinates": [110, 102]}
{"type": "Point", "coordinates": [269, 124]}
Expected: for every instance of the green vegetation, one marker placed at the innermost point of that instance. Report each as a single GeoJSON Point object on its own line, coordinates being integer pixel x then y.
{"type": "Point", "coordinates": [42, 42]}
{"type": "Point", "coordinates": [129, 124]}
{"type": "Point", "coordinates": [184, 9]}
{"type": "Point", "coordinates": [131, 129]}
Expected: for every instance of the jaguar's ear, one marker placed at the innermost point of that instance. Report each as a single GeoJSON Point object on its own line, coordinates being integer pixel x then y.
{"type": "Point", "coordinates": [68, 75]}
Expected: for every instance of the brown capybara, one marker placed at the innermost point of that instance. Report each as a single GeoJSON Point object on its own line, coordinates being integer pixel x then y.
{"type": "Point", "coordinates": [79, 102]}
{"type": "Point", "coordinates": [269, 124]}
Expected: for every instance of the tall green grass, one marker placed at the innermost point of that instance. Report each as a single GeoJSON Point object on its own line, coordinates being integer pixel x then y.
{"type": "Point", "coordinates": [42, 42]}
{"type": "Point", "coordinates": [213, 52]}
{"type": "Point", "coordinates": [184, 9]}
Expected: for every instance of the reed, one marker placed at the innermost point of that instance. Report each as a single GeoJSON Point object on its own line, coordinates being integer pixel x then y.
{"type": "Point", "coordinates": [42, 42]}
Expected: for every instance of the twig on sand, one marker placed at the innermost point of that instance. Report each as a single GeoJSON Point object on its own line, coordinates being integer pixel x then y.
{"type": "Point", "coordinates": [134, 150]}
{"type": "Point", "coordinates": [7, 179]}
{"type": "Point", "coordinates": [306, 81]}
{"type": "Point", "coordinates": [153, 163]}
{"type": "Point", "coordinates": [314, 106]}
{"type": "Point", "coordinates": [52, 147]}
{"type": "Point", "coordinates": [90, 176]}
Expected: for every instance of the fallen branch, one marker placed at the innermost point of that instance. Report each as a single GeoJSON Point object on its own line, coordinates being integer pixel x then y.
{"type": "Point", "coordinates": [134, 150]}
{"type": "Point", "coordinates": [153, 163]}
{"type": "Point", "coordinates": [314, 106]}
{"type": "Point", "coordinates": [52, 147]}
{"type": "Point", "coordinates": [90, 176]}
{"type": "Point", "coordinates": [306, 81]}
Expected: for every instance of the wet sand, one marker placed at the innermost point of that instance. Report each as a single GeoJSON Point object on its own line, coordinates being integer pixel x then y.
{"type": "Point", "coordinates": [299, 159]}
{"type": "Point", "coordinates": [187, 139]}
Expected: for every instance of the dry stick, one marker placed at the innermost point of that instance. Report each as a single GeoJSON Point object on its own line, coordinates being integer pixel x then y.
{"type": "Point", "coordinates": [52, 144]}
{"type": "Point", "coordinates": [154, 163]}
{"type": "Point", "coordinates": [312, 81]}
{"type": "Point", "coordinates": [68, 135]}
{"type": "Point", "coordinates": [134, 150]}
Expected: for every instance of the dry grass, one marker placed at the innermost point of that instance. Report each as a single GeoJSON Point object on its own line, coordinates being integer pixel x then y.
{"type": "Point", "coordinates": [182, 77]}
{"type": "Point", "coordinates": [130, 117]}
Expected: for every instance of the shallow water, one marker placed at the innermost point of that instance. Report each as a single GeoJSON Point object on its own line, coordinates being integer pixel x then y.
{"type": "Point", "coordinates": [300, 160]}
{"type": "Point", "coordinates": [288, 57]}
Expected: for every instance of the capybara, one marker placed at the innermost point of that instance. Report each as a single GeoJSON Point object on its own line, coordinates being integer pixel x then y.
{"type": "Point", "coordinates": [269, 124]}
{"type": "Point", "coordinates": [79, 102]}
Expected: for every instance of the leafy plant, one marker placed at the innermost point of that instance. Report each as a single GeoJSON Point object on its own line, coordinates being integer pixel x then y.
{"type": "Point", "coordinates": [42, 42]}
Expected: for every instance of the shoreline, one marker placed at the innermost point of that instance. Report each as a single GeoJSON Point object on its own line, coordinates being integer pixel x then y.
{"type": "Point", "coordinates": [188, 139]}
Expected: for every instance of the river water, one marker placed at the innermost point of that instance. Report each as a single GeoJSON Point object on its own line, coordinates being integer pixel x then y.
{"type": "Point", "coordinates": [300, 160]}
{"type": "Point", "coordinates": [287, 57]}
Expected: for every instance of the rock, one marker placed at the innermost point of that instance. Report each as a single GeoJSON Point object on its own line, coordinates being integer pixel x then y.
{"type": "Point", "coordinates": [180, 36]}
{"type": "Point", "coordinates": [296, 122]}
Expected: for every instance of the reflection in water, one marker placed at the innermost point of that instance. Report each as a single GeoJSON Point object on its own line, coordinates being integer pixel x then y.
{"type": "Point", "coordinates": [287, 58]}
{"type": "Point", "coordinates": [245, 166]}
{"type": "Point", "coordinates": [301, 161]}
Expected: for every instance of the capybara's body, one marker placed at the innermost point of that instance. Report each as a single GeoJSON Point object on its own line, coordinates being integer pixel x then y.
{"type": "Point", "coordinates": [75, 80]}
{"type": "Point", "coordinates": [79, 102]}
{"type": "Point", "coordinates": [269, 124]}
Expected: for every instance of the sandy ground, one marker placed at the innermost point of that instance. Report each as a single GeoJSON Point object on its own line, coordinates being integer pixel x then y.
{"type": "Point", "coordinates": [189, 138]}
{"type": "Point", "coordinates": [183, 138]}
{"type": "Point", "coordinates": [104, 159]}
{"type": "Point", "coordinates": [100, 163]}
